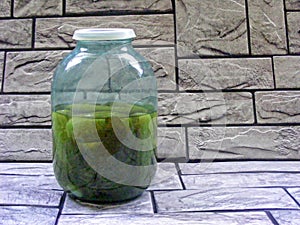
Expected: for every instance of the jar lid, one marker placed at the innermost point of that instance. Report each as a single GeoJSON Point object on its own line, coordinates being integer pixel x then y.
{"type": "Point", "coordinates": [103, 34]}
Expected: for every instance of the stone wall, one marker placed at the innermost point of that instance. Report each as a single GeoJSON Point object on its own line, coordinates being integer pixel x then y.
{"type": "Point", "coordinates": [228, 72]}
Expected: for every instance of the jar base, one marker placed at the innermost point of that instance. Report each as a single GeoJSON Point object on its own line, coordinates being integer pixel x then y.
{"type": "Point", "coordinates": [107, 198]}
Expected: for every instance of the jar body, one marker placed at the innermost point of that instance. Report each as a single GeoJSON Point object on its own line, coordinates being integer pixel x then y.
{"type": "Point", "coordinates": [104, 122]}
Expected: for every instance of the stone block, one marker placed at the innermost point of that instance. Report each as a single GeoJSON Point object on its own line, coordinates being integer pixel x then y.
{"type": "Point", "coordinates": [287, 217]}
{"type": "Point", "coordinates": [223, 199]}
{"type": "Point", "coordinates": [15, 33]}
{"type": "Point", "coordinates": [211, 74]}
{"type": "Point", "coordinates": [21, 169]}
{"type": "Point", "coordinates": [292, 4]}
{"type": "Point", "coordinates": [31, 71]}
{"type": "Point", "coordinates": [139, 205]}
{"type": "Point", "coordinates": [5, 8]}
{"type": "Point", "coordinates": [174, 219]}
{"type": "Point", "coordinates": [278, 107]}
{"type": "Point", "coordinates": [150, 29]}
{"type": "Point", "coordinates": [287, 71]}
{"type": "Point", "coordinates": [239, 166]}
{"type": "Point", "coordinates": [30, 190]}
{"type": "Point", "coordinates": [244, 142]}
{"type": "Point", "coordinates": [107, 6]}
{"type": "Point", "coordinates": [293, 19]}
{"type": "Point", "coordinates": [25, 144]}
{"type": "Point", "coordinates": [211, 27]}
{"type": "Point", "coordinates": [21, 215]}
{"type": "Point", "coordinates": [295, 192]}
{"type": "Point", "coordinates": [171, 142]}
{"type": "Point", "coordinates": [267, 27]}
{"type": "Point", "coordinates": [163, 64]}
{"type": "Point", "coordinates": [37, 8]}
{"type": "Point", "coordinates": [205, 108]}
{"type": "Point", "coordinates": [247, 180]}
{"type": "Point", "coordinates": [166, 178]}
{"type": "Point", "coordinates": [25, 110]}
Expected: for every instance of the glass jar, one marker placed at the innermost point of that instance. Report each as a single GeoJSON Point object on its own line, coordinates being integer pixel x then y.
{"type": "Point", "coordinates": [104, 118]}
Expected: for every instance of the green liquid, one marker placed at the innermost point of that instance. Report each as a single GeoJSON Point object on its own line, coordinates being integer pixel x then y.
{"type": "Point", "coordinates": [90, 127]}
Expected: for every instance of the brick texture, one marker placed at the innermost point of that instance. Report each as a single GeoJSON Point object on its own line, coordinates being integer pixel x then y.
{"type": "Point", "coordinates": [293, 19]}
{"type": "Point", "coordinates": [5, 8]}
{"type": "Point", "coordinates": [150, 29]}
{"type": "Point", "coordinates": [37, 8]}
{"type": "Point", "coordinates": [86, 6]}
{"type": "Point", "coordinates": [211, 74]}
{"type": "Point", "coordinates": [227, 73]}
{"type": "Point", "coordinates": [16, 33]}
{"type": "Point", "coordinates": [278, 107]}
{"type": "Point", "coordinates": [267, 28]}
{"type": "Point", "coordinates": [211, 27]}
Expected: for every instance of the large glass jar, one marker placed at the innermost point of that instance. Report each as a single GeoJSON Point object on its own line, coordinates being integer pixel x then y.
{"type": "Point", "coordinates": [104, 118]}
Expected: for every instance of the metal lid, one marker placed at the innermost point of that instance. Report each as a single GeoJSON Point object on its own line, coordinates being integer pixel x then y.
{"type": "Point", "coordinates": [103, 34]}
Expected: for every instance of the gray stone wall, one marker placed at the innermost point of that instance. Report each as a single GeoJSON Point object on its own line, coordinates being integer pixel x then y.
{"type": "Point", "coordinates": [228, 73]}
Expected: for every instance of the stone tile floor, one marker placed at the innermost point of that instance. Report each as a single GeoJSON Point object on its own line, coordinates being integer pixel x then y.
{"type": "Point", "coordinates": [259, 192]}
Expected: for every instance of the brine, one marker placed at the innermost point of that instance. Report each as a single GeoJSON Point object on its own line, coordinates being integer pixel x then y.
{"type": "Point", "coordinates": [120, 132]}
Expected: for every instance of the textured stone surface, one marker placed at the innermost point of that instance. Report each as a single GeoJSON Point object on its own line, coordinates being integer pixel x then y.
{"type": "Point", "coordinates": [235, 167]}
{"type": "Point", "coordinates": [248, 180]}
{"type": "Point", "coordinates": [287, 217]}
{"type": "Point", "coordinates": [15, 33]}
{"type": "Point", "coordinates": [254, 218]}
{"type": "Point", "coordinates": [197, 108]}
{"type": "Point", "coordinates": [5, 8]}
{"type": "Point", "coordinates": [25, 144]}
{"type": "Point", "coordinates": [86, 6]}
{"type": "Point", "coordinates": [31, 71]}
{"type": "Point", "coordinates": [207, 74]}
{"type": "Point", "coordinates": [287, 71]}
{"type": "Point", "coordinates": [139, 205]}
{"type": "Point", "coordinates": [29, 190]}
{"type": "Point", "coordinates": [171, 142]}
{"type": "Point", "coordinates": [295, 192]}
{"type": "Point", "coordinates": [24, 215]}
{"type": "Point", "coordinates": [223, 199]}
{"type": "Point", "coordinates": [45, 169]}
{"type": "Point", "coordinates": [293, 19]}
{"type": "Point", "coordinates": [292, 4]}
{"type": "Point", "coordinates": [278, 107]}
{"type": "Point", "coordinates": [150, 29]}
{"type": "Point", "coordinates": [211, 27]}
{"type": "Point", "coordinates": [37, 8]}
{"type": "Point", "coordinates": [163, 64]}
{"type": "Point", "coordinates": [244, 142]}
{"type": "Point", "coordinates": [25, 110]}
{"type": "Point", "coordinates": [166, 178]}
{"type": "Point", "coordinates": [267, 28]}
{"type": "Point", "coordinates": [29, 183]}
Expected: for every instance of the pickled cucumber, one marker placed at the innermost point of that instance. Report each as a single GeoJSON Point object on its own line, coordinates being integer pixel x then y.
{"type": "Point", "coordinates": [125, 132]}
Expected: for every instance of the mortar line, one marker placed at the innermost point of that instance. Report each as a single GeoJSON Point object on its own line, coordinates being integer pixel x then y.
{"type": "Point", "coordinates": [175, 47]}
{"type": "Point", "coordinates": [286, 27]}
{"type": "Point", "coordinates": [273, 73]}
{"type": "Point", "coordinates": [61, 205]}
{"type": "Point", "coordinates": [3, 72]}
{"type": "Point", "coordinates": [12, 5]}
{"type": "Point", "coordinates": [33, 33]}
{"type": "Point", "coordinates": [248, 27]}
{"type": "Point", "coordinates": [271, 217]}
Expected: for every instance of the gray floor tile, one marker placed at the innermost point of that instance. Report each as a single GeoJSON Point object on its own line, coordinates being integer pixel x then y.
{"type": "Point", "coordinates": [223, 199]}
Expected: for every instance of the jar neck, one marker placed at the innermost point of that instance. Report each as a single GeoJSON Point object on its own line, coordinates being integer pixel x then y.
{"type": "Point", "coordinates": [102, 45]}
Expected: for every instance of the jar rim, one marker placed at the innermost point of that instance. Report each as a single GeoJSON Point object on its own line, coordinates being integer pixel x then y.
{"type": "Point", "coordinates": [103, 34]}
